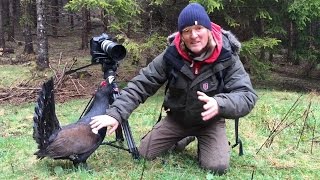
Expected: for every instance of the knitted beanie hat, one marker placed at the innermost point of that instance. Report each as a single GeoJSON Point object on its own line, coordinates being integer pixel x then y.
{"type": "Point", "coordinates": [193, 14]}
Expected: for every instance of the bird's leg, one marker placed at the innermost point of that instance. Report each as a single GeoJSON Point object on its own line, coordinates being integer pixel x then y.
{"type": "Point", "coordinates": [80, 165]}
{"type": "Point", "coordinates": [73, 157]}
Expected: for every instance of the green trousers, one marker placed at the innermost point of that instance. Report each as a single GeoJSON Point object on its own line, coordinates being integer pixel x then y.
{"type": "Point", "coordinates": [213, 146]}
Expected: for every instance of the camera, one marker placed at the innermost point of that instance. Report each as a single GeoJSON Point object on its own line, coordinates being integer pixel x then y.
{"type": "Point", "coordinates": [104, 50]}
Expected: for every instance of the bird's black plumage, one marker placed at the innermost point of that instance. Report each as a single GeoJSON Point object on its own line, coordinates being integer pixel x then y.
{"type": "Point", "coordinates": [75, 141]}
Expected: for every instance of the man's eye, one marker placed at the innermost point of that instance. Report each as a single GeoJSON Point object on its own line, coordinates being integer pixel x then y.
{"type": "Point", "coordinates": [198, 28]}
{"type": "Point", "coordinates": [186, 30]}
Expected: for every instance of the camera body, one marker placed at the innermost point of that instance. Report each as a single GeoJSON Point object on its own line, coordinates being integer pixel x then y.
{"type": "Point", "coordinates": [104, 50]}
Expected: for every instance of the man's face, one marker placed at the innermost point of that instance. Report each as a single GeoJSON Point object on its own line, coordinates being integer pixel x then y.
{"type": "Point", "coordinates": [196, 38]}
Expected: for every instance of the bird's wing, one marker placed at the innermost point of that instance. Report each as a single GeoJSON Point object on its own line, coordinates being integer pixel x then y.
{"type": "Point", "coordinates": [74, 139]}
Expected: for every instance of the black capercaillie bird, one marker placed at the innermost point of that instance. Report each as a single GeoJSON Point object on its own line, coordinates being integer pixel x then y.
{"type": "Point", "coordinates": [75, 141]}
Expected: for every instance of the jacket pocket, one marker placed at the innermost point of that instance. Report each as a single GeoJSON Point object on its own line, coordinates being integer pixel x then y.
{"type": "Point", "coordinates": [176, 96]}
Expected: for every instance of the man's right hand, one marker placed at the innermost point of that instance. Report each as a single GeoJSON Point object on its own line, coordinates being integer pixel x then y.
{"type": "Point", "coordinates": [101, 121]}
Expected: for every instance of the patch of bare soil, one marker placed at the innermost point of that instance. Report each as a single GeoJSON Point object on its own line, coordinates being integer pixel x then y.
{"type": "Point", "coordinates": [289, 77]}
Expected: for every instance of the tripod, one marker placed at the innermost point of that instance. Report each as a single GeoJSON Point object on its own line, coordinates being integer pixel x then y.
{"type": "Point", "coordinates": [109, 75]}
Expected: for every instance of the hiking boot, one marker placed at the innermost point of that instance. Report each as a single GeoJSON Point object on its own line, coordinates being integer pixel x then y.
{"type": "Point", "coordinates": [183, 143]}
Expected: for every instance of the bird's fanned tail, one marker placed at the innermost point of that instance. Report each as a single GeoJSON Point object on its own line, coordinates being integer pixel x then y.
{"type": "Point", "coordinates": [45, 120]}
{"type": "Point", "coordinates": [74, 141]}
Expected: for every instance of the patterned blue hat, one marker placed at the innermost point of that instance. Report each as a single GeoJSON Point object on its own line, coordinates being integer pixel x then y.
{"type": "Point", "coordinates": [193, 14]}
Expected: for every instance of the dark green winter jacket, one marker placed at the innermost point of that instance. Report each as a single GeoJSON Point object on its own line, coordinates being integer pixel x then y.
{"type": "Point", "coordinates": [236, 98]}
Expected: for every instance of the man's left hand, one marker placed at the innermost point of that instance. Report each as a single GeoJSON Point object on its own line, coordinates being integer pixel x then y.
{"type": "Point", "coordinates": [211, 107]}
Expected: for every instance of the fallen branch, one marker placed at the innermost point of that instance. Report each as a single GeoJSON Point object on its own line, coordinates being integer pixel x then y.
{"type": "Point", "coordinates": [5, 98]}
{"type": "Point", "coordinates": [27, 88]}
{"type": "Point", "coordinates": [7, 50]}
{"type": "Point", "coordinates": [60, 79]}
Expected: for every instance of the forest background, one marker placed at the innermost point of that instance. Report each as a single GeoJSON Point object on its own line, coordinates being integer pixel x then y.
{"type": "Point", "coordinates": [41, 38]}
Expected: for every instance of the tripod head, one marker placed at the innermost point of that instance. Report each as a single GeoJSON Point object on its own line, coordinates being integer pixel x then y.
{"type": "Point", "coordinates": [104, 49]}
{"type": "Point", "coordinates": [108, 53]}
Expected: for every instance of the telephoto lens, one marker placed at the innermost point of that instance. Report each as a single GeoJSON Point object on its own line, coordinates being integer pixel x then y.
{"type": "Point", "coordinates": [116, 51]}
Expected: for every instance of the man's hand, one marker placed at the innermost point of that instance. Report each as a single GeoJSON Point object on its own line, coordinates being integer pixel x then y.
{"type": "Point", "coordinates": [211, 107]}
{"type": "Point", "coordinates": [101, 121]}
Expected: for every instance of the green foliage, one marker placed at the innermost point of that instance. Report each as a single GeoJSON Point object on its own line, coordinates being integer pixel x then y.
{"type": "Point", "coordinates": [310, 55]}
{"type": "Point", "coordinates": [157, 2]}
{"type": "Point", "coordinates": [276, 30]}
{"type": "Point", "coordinates": [251, 53]}
{"type": "Point", "coordinates": [306, 48]}
{"type": "Point", "coordinates": [231, 21]}
{"type": "Point", "coordinates": [210, 5]}
{"type": "Point", "coordinates": [120, 13]}
{"type": "Point", "coordinates": [305, 14]}
{"type": "Point", "coordinates": [26, 18]}
{"type": "Point", "coordinates": [304, 11]}
{"type": "Point", "coordinates": [255, 44]}
{"type": "Point", "coordinates": [77, 5]}
{"type": "Point", "coordinates": [141, 51]}
{"type": "Point", "coordinates": [263, 14]}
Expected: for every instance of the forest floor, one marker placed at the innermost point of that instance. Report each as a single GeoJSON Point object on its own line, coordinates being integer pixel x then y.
{"type": "Point", "coordinates": [63, 52]}
{"type": "Point", "coordinates": [289, 77]}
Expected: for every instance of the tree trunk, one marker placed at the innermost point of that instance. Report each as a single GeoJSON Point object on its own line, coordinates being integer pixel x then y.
{"type": "Point", "coordinates": [290, 44]}
{"type": "Point", "coordinates": [261, 34]}
{"type": "Point", "coordinates": [33, 12]}
{"type": "Point", "coordinates": [55, 17]}
{"type": "Point", "coordinates": [13, 19]}
{"type": "Point", "coordinates": [28, 47]}
{"type": "Point", "coordinates": [89, 24]}
{"type": "Point", "coordinates": [42, 56]}
{"type": "Point", "coordinates": [71, 18]}
{"type": "Point", "coordinates": [17, 12]}
{"type": "Point", "coordinates": [5, 14]}
{"type": "Point", "coordinates": [2, 41]}
{"type": "Point", "coordinates": [84, 34]}
{"type": "Point", "coordinates": [105, 19]}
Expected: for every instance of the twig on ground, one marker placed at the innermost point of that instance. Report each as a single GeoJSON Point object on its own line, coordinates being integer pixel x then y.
{"type": "Point", "coordinates": [75, 86]}
{"type": "Point", "coordinates": [28, 88]}
{"type": "Point", "coordinates": [313, 131]}
{"type": "Point", "coordinates": [74, 61]}
{"type": "Point", "coordinates": [63, 73]}
{"type": "Point", "coordinates": [80, 84]}
{"type": "Point", "coordinates": [5, 98]}
{"type": "Point", "coordinates": [252, 174]}
{"type": "Point", "coordinates": [54, 71]}
{"type": "Point", "coordinates": [274, 131]}
{"type": "Point", "coordinates": [60, 79]}
{"type": "Point", "coordinates": [306, 115]}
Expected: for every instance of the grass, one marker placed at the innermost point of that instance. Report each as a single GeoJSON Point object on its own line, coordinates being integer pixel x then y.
{"type": "Point", "coordinates": [283, 158]}
{"type": "Point", "coordinates": [8, 75]}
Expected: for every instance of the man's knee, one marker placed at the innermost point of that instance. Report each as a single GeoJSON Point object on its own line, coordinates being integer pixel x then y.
{"type": "Point", "coordinates": [146, 154]}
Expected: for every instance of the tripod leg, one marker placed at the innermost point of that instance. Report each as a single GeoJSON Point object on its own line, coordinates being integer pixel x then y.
{"type": "Point", "coordinates": [119, 135]}
{"type": "Point", "coordinates": [131, 145]}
